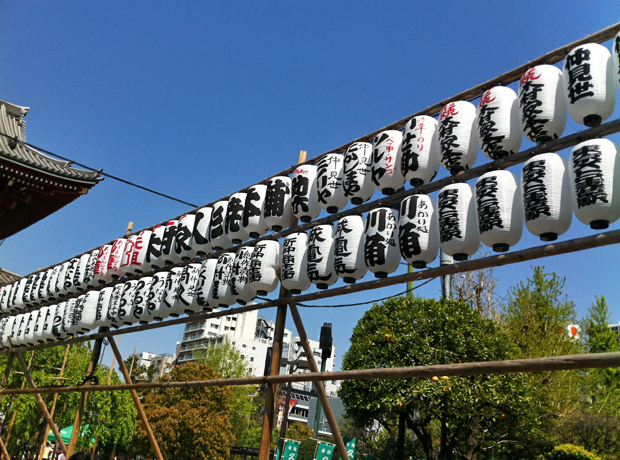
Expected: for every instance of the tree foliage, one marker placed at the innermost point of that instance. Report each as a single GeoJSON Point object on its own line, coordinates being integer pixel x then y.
{"type": "Point", "coordinates": [189, 423]}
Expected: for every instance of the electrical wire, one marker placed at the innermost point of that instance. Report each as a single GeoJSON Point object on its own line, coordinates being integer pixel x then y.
{"type": "Point", "coordinates": [100, 171]}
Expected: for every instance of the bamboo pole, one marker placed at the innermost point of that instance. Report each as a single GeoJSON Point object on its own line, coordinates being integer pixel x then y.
{"type": "Point", "coordinates": [14, 416]}
{"type": "Point", "coordinates": [136, 400]}
{"type": "Point", "coordinates": [553, 363]}
{"type": "Point", "coordinates": [320, 389]}
{"type": "Point", "coordinates": [92, 365]}
{"type": "Point", "coordinates": [41, 403]}
{"type": "Point", "coordinates": [62, 372]}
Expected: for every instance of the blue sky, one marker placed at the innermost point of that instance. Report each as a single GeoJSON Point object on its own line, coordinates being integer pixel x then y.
{"type": "Point", "coordinates": [201, 99]}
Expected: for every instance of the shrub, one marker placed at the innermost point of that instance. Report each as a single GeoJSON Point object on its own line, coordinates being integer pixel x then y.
{"type": "Point", "coordinates": [571, 452]}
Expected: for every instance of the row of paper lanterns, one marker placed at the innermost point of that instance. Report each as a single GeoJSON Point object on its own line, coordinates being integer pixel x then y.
{"type": "Point", "coordinates": [491, 212]}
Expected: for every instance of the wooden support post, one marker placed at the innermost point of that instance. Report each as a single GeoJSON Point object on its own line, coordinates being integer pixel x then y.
{"type": "Point", "coordinates": [62, 372]}
{"type": "Point", "coordinates": [136, 400]}
{"type": "Point", "coordinates": [41, 404]}
{"type": "Point", "coordinates": [75, 434]}
{"type": "Point", "coordinates": [329, 413]}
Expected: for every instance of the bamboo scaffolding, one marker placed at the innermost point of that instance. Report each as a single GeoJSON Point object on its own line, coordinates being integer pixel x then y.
{"type": "Point", "coordinates": [553, 363]}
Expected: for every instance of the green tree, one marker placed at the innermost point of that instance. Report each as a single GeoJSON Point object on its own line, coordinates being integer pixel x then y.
{"type": "Point", "coordinates": [189, 423]}
{"type": "Point", "coordinates": [226, 360]}
{"type": "Point", "coordinates": [473, 413]}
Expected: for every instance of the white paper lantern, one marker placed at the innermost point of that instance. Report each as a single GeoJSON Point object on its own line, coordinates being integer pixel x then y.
{"type": "Point", "coordinates": [220, 294]}
{"type": "Point", "coordinates": [116, 257]}
{"type": "Point", "coordinates": [594, 172]}
{"type": "Point", "coordinates": [305, 202]}
{"type": "Point", "coordinates": [140, 257]}
{"type": "Point", "coordinates": [589, 84]}
{"type": "Point", "coordinates": [381, 252]}
{"type": "Point", "coordinates": [141, 310]}
{"type": "Point", "coordinates": [183, 243]}
{"type": "Point", "coordinates": [499, 124]}
{"type": "Point", "coordinates": [357, 173]}
{"type": "Point", "coordinates": [253, 211]}
{"type": "Point", "coordinates": [320, 256]}
{"type": "Point", "coordinates": [130, 246]}
{"type": "Point", "coordinates": [330, 183]}
{"type": "Point", "coordinates": [294, 263]}
{"type": "Point", "coordinates": [349, 249]}
{"type": "Point", "coordinates": [541, 103]}
{"type": "Point", "coordinates": [234, 218]}
{"type": "Point", "coordinates": [265, 267]}
{"type": "Point", "coordinates": [112, 318]}
{"type": "Point", "coordinates": [57, 330]}
{"type": "Point", "coordinates": [205, 283]}
{"type": "Point", "coordinates": [171, 294]}
{"type": "Point", "coordinates": [125, 308]}
{"type": "Point", "coordinates": [186, 302]}
{"type": "Point", "coordinates": [499, 209]}
{"type": "Point", "coordinates": [418, 232]}
{"type": "Point", "coordinates": [386, 171]}
{"type": "Point", "coordinates": [217, 229]}
{"type": "Point", "coordinates": [201, 238]}
{"type": "Point", "coordinates": [419, 160]}
{"type": "Point", "coordinates": [459, 236]}
{"type": "Point", "coordinates": [240, 287]}
{"type": "Point", "coordinates": [101, 267]}
{"type": "Point", "coordinates": [88, 311]}
{"type": "Point", "coordinates": [103, 305]}
{"type": "Point", "coordinates": [154, 255]}
{"type": "Point", "coordinates": [167, 242]}
{"type": "Point", "coordinates": [277, 209]}
{"type": "Point", "coordinates": [456, 136]}
{"type": "Point", "coordinates": [155, 301]}
{"type": "Point", "coordinates": [30, 326]}
{"type": "Point", "coordinates": [80, 272]}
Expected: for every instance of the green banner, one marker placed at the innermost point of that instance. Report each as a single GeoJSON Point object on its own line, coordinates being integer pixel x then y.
{"type": "Point", "coordinates": [324, 451]}
{"type": "Point", "coordinates": [351, 445]}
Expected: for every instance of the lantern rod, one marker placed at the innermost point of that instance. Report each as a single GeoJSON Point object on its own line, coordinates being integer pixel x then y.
{"type": "Point", "coordinates": [533, 253]}
{"type": "Point", "coordinates": [503, 79]}
{"type": "Point", "coordinates": [552, 363]}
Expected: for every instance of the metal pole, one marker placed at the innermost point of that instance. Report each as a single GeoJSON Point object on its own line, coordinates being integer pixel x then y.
{"type": "Point", "coordinates": [138, 404]}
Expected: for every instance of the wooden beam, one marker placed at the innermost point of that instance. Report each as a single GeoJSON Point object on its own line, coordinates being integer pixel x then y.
{"type": "Point", "coordinates": [41, 404]}
{"type": "Point", "coordinates": [320, 389]}
{"type": "Point", "coordinates": [136, 400]}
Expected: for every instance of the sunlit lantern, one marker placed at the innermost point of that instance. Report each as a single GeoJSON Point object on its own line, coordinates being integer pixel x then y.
{"type": "Point", "coordinates": [154, 256]}
{"type": "Point", "coordinates": [320, 256]}
{"type": "Point", "coordinates": [294, 263]}
{"type": "Point", "coordinates": [253, 211]}
{"type": "Point", "coordinates": [265, 267]}
{"type": "Point", "coordinates": [201, 239]}
{"type": "Point", "coordinates": [130, 246]}
{"type": "Point", "coordinates": [541, 103]}
{"type": "Point", "coordinates": [499, 209]}
{"type": "Point", "coordinates": [234, 218]}
{"type": "Point", "coordinates": [139, 256]}
{"type": "Point", "coordinates": [186, 302]}
{"type": "Point", "coordinates": [499, 124]}
{"type": "Point", "coordinates": [419, 160]}
{"type": "Point", "coordinates": [125, 309]}
{"type": "Point", "coordinates": [277, 209]}
{"type": "Point", "coordinates": [217, 229]}
{"type": "Point", "coordinates": [595, 183]}
{"type": "Point", "coordinates": [103, 305]}
{"type": "Point", "coordinates": [205, 283]}
{"type": "Point", "coordinates": [116, 257]}
{"type": "Point", "coordinates": [304, 200]}
{"type": "Point", "coordinates": [381, 252]}
{"type": "Point", "coordinates": [418, 232]}
{"type": "Point", "coordinates": [386, 172]}
{"type": "Point", "coordinates": [220, 294]}
{"type": "Point", "coordinates": [456, 136]}
{"type": "Point", "coordinates": [589, 84]}
{"type": "Point", "coordinates": [155, 301]}
{"type": "Point", "coordinates": [141, 311]}
{"type": "Point", "coordinates": [88, 319]}
{"type": "Point", "coordinates": [357, 179]}
{"type": "Point", "coordinates": [459, 236]}
{"type": "Point", "coordinates": [547, 204]}
{"type": "Point", "coordinates": [240, 287]}
{"type": "Point", "coordinates": [167, 243]}
{"type": "Point", "coordinates": [171, 293]}
{"type": "Point", "coordinates": [349, 249]}
{"type": "Point", "coordinates": [183, 242]}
